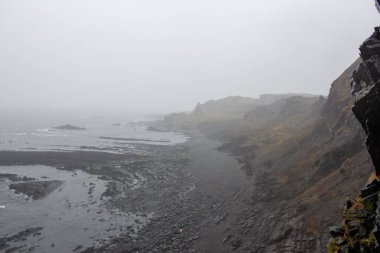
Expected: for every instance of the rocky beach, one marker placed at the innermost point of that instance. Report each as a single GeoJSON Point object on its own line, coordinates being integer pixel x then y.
{"type": "Point", "coordinates": [235, 175]}
{"type": "Point", "coordinates": [175, 198]}
{"type": "Point", "coordinates": [189, 126]}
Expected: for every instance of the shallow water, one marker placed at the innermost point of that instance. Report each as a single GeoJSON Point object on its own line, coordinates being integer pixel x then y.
{"type": "Point", "coordinates": [70, 216]}
{"type": "Point", "coordinates": [116, 134]}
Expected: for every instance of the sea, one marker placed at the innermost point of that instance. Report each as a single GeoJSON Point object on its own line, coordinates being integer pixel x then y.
{"type": "Point", "coordinates": [103, 131]}
{"type": "Point", "coordinates": [69, 219]}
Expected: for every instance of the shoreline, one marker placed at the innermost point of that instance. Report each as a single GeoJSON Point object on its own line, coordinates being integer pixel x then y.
{"type": "Point", "coordinates": [185, 186]}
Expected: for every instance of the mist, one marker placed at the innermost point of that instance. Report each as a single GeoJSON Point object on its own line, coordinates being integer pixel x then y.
{"type": "Point", "coordinates": [163, 56]}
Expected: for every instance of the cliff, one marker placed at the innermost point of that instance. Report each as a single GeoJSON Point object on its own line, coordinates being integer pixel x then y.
{"type": "Point", "coordinates": [360, 229]}
{"type": "Point", "coordinates": [218, 112]}
{"type": "Point", "coordinates": [301, 172]}
{"type": "Point", "coordinates": [366, 91]}
{"type": "Point", "coordinates": [299, 152]}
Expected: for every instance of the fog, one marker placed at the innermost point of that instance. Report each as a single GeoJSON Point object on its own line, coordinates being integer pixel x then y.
{"type": "Point", "coordinates": [167, 55]}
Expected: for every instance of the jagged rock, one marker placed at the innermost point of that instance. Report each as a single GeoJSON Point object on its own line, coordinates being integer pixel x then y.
{"type": "Point", "coordinates": [336, 231]}
{"type": "Point", "coordinates": [340, 240]}
{"type": "Point", "coordinates": [361, 219]}
{"type": "Point", "coordinates": [366, 90]}
{"type": "Point", "coordinates": [354, 224]}
{"type": "Point", "coordinates": [358, 227]}
{"type": "Point", "coordinates": [372, 188]}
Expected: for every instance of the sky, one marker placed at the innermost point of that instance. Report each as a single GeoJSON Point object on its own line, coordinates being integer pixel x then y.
{"type": "Point", "coordinates": [167, 55]}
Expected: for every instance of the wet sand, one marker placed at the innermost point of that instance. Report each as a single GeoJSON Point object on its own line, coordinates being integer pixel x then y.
{"type": "Point", "coordinates": [186, 194]}
{"type": "Point", "coordinates": [220, 177]}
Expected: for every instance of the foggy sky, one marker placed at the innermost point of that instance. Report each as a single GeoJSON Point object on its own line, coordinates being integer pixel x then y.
{"type": "Point", "coordinates": [167, 55]}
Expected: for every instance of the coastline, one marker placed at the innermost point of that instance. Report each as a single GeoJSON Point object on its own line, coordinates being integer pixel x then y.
{"type": "Point", "coordinates": [185, 189]}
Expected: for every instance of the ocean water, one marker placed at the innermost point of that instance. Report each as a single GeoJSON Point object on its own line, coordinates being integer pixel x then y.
{"type": "Point", "coordinates": [71, 216]}
{"type": "Point", "coordinates": [106, 132]}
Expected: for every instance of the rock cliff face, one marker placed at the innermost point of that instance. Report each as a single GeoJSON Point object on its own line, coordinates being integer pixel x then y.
{"type": "Point", "coordinates": [220, 111]}
{"type": "Point", "coordinates": [299, 153]}
{"type": "Point", "coordinates": [366, 90]}
{"type": "Point", "coordinates": [360, 229]}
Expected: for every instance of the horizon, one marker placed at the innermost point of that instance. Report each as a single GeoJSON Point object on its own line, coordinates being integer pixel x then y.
{"type": "Point", "coordinates": [112, 112]}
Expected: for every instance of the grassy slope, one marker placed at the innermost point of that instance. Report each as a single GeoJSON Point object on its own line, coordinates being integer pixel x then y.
{"type": "Point", "coordinates": [306, 153]}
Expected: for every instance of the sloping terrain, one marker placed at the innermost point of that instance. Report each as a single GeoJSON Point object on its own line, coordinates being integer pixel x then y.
{"type": "Point", "coordinates": [304, 155]}
{"type": "Point", "coordinates": [317, 167]}
{"type": "Point", "coordinates": [220, 111]}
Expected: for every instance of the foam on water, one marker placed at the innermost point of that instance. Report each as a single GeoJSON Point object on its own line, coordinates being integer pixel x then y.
{"type": "Point", "coordinates": [101, 134]}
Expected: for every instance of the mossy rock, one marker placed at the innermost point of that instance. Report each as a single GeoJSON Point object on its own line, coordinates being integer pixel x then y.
{"type": "Point", "coordinates": [332, 246]}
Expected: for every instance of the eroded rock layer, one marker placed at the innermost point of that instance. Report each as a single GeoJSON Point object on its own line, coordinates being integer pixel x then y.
{"type": "Point", "coordinates": [360, 230]}
{"type": "Point", "coordinates": [366, 90]}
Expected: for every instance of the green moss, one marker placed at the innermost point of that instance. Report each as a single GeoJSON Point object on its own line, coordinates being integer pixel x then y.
{"type": "Point", "coordinates": [362, 241]}
{"type": "Point", "coordinates": [366, 242]}
{"type": "Point", "coordinates": [369, 244]}
{"type": "Point", "coordinates": [370, 206]}
{"type": "Point", "coordinates": [332, 247]}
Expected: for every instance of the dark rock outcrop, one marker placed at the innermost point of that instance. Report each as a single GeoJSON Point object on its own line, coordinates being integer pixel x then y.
{"type": "Point", "coordinates": [36, 189]}
{"type": "Point", "coordinates": [366, 90]}
{"type": "Point", "coordinates": [360, 230]}
{"type": "Point", "coordinates": [21, 236]}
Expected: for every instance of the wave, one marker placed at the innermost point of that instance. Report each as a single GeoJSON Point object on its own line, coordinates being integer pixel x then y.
{"type": "Point", "coordinates": [46, 130]}
{"type": "Point", "coordinates": [20, 134]}
{"type": "Point", "coordinates": [48, 135]}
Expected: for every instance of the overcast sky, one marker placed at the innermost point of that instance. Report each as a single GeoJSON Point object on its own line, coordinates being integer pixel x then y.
{"type": "Point", "coordinates": [167, 55]}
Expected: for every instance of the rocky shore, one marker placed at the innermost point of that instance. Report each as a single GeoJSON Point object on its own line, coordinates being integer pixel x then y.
{"type": "Point", "coordinates": [36, 190]}
{"type": "Point", "coordinates": [263, 176]}
{"type": "Point", "coordinates": [189, 194]}
{"type": "Point", "coordinates": [298, 153]}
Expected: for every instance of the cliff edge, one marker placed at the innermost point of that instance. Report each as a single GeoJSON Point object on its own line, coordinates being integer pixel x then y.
{"type": "Point", "coordinates": [366, 91]}
{"type": "Point", "coordinates": [360, 229]}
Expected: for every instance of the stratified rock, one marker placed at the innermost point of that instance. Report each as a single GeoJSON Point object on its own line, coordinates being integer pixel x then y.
{"type": "Point", "coordinates": [366, 90]}
{"type": "Point", "coordinates": [336, 231]}
{"type": "Point", "coordinates": [371, 188]}
{"type": "Point", "coordinates": [361, 218]}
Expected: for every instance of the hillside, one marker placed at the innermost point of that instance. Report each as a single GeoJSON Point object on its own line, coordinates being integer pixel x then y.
{"type": "Point", "coordinates": [218, 111]}
{"type": "Point", "coordinates": [310, 168]}
{"type": "Point", "coordinates": [300, 152]}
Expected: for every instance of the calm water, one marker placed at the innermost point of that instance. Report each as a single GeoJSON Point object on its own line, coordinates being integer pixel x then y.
{"type": "Point", "coordinates": [71, 216]}
{"type": "Point", "coordinates": [29, 131]}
